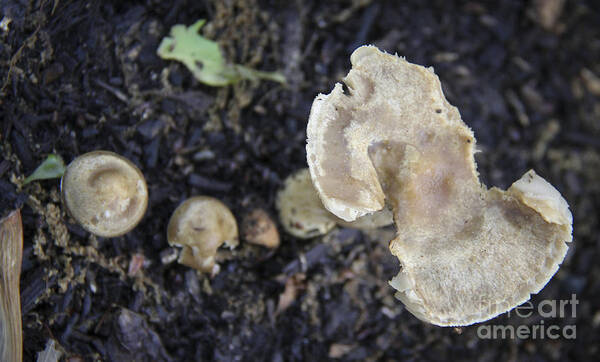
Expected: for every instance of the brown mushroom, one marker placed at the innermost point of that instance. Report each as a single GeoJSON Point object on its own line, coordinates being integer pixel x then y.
{"type": "Point", "coordinates": [200, 225]}
{"type": "Point", "coordinates": [258, 228]}
{"type": "Point", "coordinates": [105, 192]}
{"type": "Point", "coordinates": [467, 253]}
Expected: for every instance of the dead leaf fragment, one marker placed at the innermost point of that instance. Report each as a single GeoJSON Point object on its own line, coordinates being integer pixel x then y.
{"type": "Point", "coordinates": [50, 353]}
{"type": "Point", "coordinates": [290, 293]}
{"type": "Point", "coordinates": [338, 350]}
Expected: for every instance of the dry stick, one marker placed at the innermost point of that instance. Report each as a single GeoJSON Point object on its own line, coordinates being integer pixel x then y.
{"type": "Point", "coordinates": [11, 253]}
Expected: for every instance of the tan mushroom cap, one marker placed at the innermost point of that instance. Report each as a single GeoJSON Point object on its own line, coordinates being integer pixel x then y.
{"type": "Point", "coordinates": [300, 210]}
{"type": "Point", "coordinates": [467, 253]}
{"type": "Point", "coordinates": [303, 215]}
{"type": "Point", "coordinates": [105, 192]}
{"type": "Point", "coordinates": [200, 225]}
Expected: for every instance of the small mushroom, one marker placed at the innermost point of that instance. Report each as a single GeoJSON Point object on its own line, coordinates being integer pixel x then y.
{"type": "Point", "coordinates": [200, 225]}
{"type": "Point", "coordinates": [303, 215]}
{"type": "Point", "coordinates": [105, 192]}
{"type": "Point", "coordinates": [467, 253]}
{"type": "Point", "coordinates": [259, 229]}
{"type": "Point", "coordinates": [300, 210]}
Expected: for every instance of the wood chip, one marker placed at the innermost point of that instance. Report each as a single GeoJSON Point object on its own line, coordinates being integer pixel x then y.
{"type": "Point", "coordinates": [11, 254]}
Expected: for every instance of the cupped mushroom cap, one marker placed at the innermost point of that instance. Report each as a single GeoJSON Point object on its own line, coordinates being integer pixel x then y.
{"type": "Point", "coordinates": [105, 192]}
{"type": "Point", "coordinates": [467, 253]}
{"type": "Point", "coordinates": [200, 225]}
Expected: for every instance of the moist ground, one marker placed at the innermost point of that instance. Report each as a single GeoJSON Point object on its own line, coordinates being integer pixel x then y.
{"type": "Point", "coordinates": [78, 76]}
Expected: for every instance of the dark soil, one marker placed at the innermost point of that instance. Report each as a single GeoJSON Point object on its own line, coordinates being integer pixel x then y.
{"type": "Point", "coordinates": [78, 76]}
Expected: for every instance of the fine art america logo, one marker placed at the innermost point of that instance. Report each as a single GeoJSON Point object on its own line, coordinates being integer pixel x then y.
{"type": "Point", "coordinates": [546, 309]}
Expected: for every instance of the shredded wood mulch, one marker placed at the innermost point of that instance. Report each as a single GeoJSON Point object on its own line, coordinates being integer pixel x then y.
{"type": "Point", "coordinates": [77, 76]}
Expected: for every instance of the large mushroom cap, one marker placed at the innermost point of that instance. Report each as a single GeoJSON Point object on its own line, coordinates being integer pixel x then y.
{"type": "Point", "coordinates": [467, 253]}
{"type": "Point", "coordinates": [105, 192]}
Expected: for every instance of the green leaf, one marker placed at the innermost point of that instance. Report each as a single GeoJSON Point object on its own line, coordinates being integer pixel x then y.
{"type": "Point", "coordinates": [204, 59]}
{"type": "Point", "coordinates": [52, 167]}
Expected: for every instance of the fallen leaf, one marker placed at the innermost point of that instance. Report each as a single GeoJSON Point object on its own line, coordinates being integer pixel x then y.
{"type": "Point", "coordinates": [204, 59]}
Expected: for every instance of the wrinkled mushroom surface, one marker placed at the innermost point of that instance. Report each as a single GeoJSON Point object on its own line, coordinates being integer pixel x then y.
{"type": "Point", "coordinates": [105, 192]}
{"type": "Point", "coordinates": [200, 225]}
{"type": "Point", "coordinates": [467, 253]}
